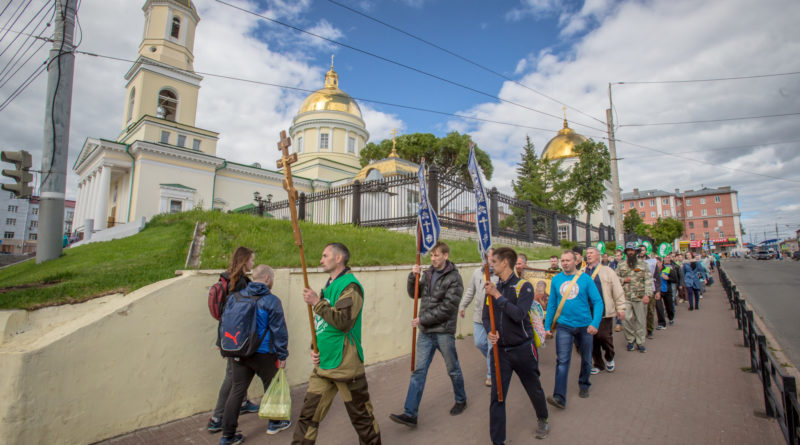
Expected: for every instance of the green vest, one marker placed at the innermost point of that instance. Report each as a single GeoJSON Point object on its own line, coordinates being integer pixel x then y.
{"type": "Point", "coordinates": [330, 340]}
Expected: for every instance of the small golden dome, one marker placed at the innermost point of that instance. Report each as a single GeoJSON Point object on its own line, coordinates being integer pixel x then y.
{"type": "Point", "coordinates": [393, 165]}
{"type": "Point", "coordinates": [562, 145]}
{"type": "Point", "coordinates": [330, 98]}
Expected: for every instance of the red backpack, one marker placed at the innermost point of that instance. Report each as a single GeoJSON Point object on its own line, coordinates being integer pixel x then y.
{"type": "Point", "coordinates": [217, 294]}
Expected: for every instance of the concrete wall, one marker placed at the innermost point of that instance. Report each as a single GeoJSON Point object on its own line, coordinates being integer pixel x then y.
{"type": "Point", "coordinates": [77, 374]}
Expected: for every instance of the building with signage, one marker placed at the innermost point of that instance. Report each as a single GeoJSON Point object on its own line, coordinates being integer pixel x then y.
{"type": "Point", "coordinates": [19, 223]}
{"type": "Point", "coordinates": [710, 216]}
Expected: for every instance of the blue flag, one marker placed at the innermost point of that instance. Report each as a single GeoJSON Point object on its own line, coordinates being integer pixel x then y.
{"type": "Point", "coordinates": [428, 222]}
{"type": "Point", "coordinates": [482, 205]}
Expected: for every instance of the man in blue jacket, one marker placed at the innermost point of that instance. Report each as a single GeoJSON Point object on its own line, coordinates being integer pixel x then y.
{"type": "Point", "coordinates": [576, 322]}
{"type": "Point", "coordinates": [270, 356]}
{"type": "Point", "coordinates": [512, 299]}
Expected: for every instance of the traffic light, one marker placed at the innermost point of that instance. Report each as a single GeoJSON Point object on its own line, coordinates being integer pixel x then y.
{"type": "Point", "coordinates": [22, 161]}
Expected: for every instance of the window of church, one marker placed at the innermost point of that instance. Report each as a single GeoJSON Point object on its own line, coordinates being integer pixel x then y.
{"type": "Point", "coordinates": [351, 145]}
{"type": "Point", "coordinates": [196, 144]}
{"type": "Point", "coordinates": [323, 141]}
{"type": "Point", "coordinates": [176, 28]}
{"type": "Point", "coordinates": [175, 206]}
{"type": "Point", "coordinates": [181, 140]}
{"type": "Point", "coordinates": [130, 104]}
{"type": "Point", "coordinates": [167, 105]}
{"type": "Point", "coordinates": [164, 137]}
{"type": "Point", "coordinates": [300, 144]}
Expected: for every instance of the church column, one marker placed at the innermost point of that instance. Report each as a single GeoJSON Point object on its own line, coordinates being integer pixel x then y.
{"type": "Point", "coordinates": [81, 211]}
{"type": "Point", "coordinates": [101, 214]}
{"type": "Point", "coordinates": [91, 182]}
{"type": "Point", "coordinates": [78, 202]}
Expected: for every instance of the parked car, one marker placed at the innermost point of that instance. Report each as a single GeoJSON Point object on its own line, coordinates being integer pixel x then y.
{"type": "Point", "coordinates": [764, 255]}
{"type": "Point", "coordinates": [796, 255]}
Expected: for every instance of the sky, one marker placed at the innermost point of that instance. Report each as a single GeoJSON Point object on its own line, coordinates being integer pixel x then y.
{"type": "Point", "coordinates": [502, 71]}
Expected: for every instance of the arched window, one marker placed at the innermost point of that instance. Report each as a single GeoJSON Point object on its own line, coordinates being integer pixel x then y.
{"type": "Point", "coordinates": [167, 105]}
{"type": "Point", "coordinates": [176, 28]}
{"type": "Point", "coordinates": [130, 104]}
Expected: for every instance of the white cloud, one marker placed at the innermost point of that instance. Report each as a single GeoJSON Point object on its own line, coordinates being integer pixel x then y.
{"type": "Point", "coordinates": [533, 8]}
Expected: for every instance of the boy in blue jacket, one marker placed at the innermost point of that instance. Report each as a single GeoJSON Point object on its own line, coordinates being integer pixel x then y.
{"type": "Point", "coordinates": [576, 323]}
{"type": "Point", "coordinates": [270, 356]}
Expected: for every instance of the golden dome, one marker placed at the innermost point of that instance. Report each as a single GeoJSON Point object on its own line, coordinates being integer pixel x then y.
{"type": "Point", "coordinates": [393, 165]}
{"type": "Point", "coordinates": [562, 145]}
{"type": "Point", "coordinates": [330, 98]}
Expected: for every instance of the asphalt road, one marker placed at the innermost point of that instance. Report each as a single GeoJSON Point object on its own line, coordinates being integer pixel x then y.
{"type": "Point", "coordinates": [772, 287]}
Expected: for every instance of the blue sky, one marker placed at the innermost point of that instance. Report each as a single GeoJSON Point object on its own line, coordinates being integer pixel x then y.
{"type": "Point", "coordinates": [568, 50]}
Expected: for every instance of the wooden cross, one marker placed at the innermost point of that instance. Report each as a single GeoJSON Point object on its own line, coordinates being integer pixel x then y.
{"type": "Point", "coordinates": [285, 162]}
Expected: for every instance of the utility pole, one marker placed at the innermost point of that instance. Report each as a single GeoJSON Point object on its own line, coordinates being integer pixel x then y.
{"type": "Point", "coordinates": [612, 148]}
{"type": "Point", "coordinates": [55, 144]}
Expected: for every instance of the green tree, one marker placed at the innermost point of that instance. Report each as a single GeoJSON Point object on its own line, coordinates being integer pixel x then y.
{"type": "Point", "coordinates": [632, 221]}
{"type": "Point", "coordinates": [542, 182]}
{"type": "Point", "coordinates": [665, 230]}
{"type": "Point", "coordinates": [589, 175]}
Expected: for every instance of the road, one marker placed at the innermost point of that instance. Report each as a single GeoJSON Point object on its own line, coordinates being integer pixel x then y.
{"type": "Point", "coordinates": [773, 289]}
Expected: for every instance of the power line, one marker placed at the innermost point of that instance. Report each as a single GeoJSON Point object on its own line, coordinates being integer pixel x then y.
{"type": "Point", "coordinates": [716, 79]}
{"type": "Point", "coordinates": [402, 65]}
{"type": "Point", "coordinates": [483, 67]}
{"type": "Point", "coordinates": [705, 162]}
{"type": "Point", "coordinates": [711, 120]}
{"type": "Point", "coordinates": [42, 68]}
{"type": "Point", "coordinates": [732, 147]}
{"type": "Point", "coordinates": [9, 26]}
{"type": "Point", "coordinates": [5, 73]}
{"type": "Point", "coordinates": [305, 90]}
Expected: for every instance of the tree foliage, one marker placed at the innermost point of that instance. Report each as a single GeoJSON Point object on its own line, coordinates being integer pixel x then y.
{"type": "Point", "coordinates": [542, 182]}
{"type": "Point", "coordinates": [665, 230]}
{"type": "Point", "coordinates": [632, 221]}
{"type": "Point", "coordinates": [449, 153]}
{"type": "Point", "coordinates": [589, 175]}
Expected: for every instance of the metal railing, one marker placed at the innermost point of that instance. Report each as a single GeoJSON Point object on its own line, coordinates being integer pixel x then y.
{"type": "Point", "coordinates": [780, 389]}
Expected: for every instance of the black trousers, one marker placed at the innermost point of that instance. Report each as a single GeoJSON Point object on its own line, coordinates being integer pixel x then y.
{"type": "Point", "coordinates": [524, 362]}
{"type": "Point", "coordinates": [243, 371]}
{"type": "Point", "coordinates": [665, 304]}
{"type": "Point", "coordinates": [603, 343]}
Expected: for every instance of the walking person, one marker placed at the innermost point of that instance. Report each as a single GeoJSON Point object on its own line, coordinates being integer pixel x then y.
{"type": "Point", "coordinates": [235, 275]}
{"type": "Point", "coordinates": [651, 304]}
{"type": "Point", "coordinates": [668, 278]}
{"type": "Point", "coordinates": [339, 364]}
{"type": "Point", "coordinates": [636, 283]}
{"type": "Point", "coordinates": [610, 289]}
{"type": "Point", "coordinates": [694, 275]}
{"type": "Point", "coordinates": [572, 294]}
{"type": "Point", "coordinates": [270, 356]}
{"type": "Point", "coordinates": [440, 290]}
{"type": "Point", "coordinates": [476, 291]}
{"type": "Point", "coordinates": [512, 298]}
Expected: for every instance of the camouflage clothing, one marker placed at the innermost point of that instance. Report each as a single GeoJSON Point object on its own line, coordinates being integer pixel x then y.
{"type": "Point", "coordinates": [641, 283]}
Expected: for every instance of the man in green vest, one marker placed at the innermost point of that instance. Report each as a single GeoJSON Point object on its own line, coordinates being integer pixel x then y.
{"type": "Point", "coordinates": [339, 365]}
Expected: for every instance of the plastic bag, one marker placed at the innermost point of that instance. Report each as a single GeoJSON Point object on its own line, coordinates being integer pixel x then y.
{"type": "Point", "coordinates": [277, 401]}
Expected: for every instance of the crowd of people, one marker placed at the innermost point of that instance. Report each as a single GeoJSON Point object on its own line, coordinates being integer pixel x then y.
{"type": "Point", "coordinates": [585, 299]}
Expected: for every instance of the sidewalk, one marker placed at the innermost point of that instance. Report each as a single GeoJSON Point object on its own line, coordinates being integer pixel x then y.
{"type": "Point", "coordinates": [688, 388]}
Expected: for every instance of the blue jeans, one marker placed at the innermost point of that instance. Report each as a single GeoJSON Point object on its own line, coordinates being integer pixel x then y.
{"type": "Point", "coordinates": [427, 344]}
{"type": "Point", "coordinates": [482, 343]}
{"type": "Point", "coordinates": [565, 337]}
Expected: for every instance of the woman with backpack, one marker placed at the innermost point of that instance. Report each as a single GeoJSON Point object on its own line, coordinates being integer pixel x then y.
{"type": "Point", "coordinates": [233, 280]}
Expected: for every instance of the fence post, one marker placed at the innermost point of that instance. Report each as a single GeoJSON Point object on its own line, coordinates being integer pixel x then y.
{"type": "Point", "coordinates": [529, 221]}
{"type": "Point", "coordinates": [301, 207]}
{"type": "Point", "coordinates": [433, 187]}
{"type": "Point", "coordinates": [554, 228]}
{"type": "Point", "coordinates": [356, 203]}
{"type": "Point", "coordinates": [600, 235]}
{"type": "Point", "coordinates": [494, 210]}
{"type": "Point", "coordinates": [574, 224]}
{"type": "Point", "coordinates": [763, 367]}
{"type": "Point", "coordinates": [747, 316]}
{"type": "Point", "coordinates": [789, 414]}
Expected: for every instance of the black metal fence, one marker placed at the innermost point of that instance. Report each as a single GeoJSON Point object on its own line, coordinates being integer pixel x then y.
{"type": "Point", "coordinates": [392, 203]}
{"type": "Point", "coordinates": [780, 389]}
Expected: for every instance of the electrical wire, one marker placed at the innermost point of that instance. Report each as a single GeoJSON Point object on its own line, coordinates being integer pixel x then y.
{"type": "Point", "coordinates": [465, 59]}
{"type": "Point", "coordinates": [712, 120]}
{"type": "Point", "coordinates": [7, 26]}
{"type": "Point", "coordinates": [716, 79]}
{"type": "Point", "coordinates": [23, 29]}
{"type": "Point", "coordinates": [42, 68]}
{"type": "Point", "coordinates": [733, 147]}
{"type": "Point", "coordinates": [402, 65]}
{"type": "Point", "coordinates": [5, 72]}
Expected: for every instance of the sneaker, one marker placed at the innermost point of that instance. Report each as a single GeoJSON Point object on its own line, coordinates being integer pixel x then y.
{"type": "Point", "coordinates": [276, 426]}
{"type": "Point", "coordinates": [553, 400]}
{"type": "Point", "coordinates": [403, 419]}
{"type": "Point", "coordinates": [650, 335]}
{"type": "Point", "coordinates": [641, 348]}
{"type": "Point", "coordinates": [458, 408]}
{"type": "Point", "coordinates": [661, 328]}
{"type": "Point", "coordinates": [701, 297]}
{"type": "Point", "coordinates": [618, 328]}
{"type": "Point", "coordinates": [542, 428]}
{"type": "Point", "coordinates": [630, 347]}
{"type": "Point", "coordinates": [671, 322]}
{"type": "Point", "coordinates": [248, 407]}
{"type": "Point", "coordinates": [235, 440]}
{"type": "Point", "coordinates": [584, 393]}
{"type": "Point", "coordinates": [214, 425]}
{"type": "Point", "coordinates": [488, 382]}
{"type": "Point", "coordinates": [610, 366]}
{"type": "Point", "coordinates": [595, 371]}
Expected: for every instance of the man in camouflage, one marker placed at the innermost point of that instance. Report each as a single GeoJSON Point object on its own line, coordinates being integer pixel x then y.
{"type": "Point", "coordinates": [638, 286]}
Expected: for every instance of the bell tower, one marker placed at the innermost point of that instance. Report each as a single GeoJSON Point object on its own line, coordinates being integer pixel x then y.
{"type": "Point", "coordinates": [162, 84]}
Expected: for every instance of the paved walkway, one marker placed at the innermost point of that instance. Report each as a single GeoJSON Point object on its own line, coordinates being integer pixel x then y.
{"type": "Point", "coordinates": [688, 388]}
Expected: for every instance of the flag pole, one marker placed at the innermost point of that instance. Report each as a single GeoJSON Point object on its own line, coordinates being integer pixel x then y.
{"type": "Point", "coordinates": [285, 162]}
{"type": "Point", "coordinates": [416, 301]}
{"type": "Point", "coordinates": [490, 301]}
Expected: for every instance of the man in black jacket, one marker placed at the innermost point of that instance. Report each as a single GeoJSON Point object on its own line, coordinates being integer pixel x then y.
{"type": "Point", "coordinates": [440, 289]}
{"type": "Point", "coordinates": [514, 342]}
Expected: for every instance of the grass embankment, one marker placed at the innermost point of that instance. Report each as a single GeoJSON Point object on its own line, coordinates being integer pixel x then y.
{"type": "Point", "coordinates": [157, 251]}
